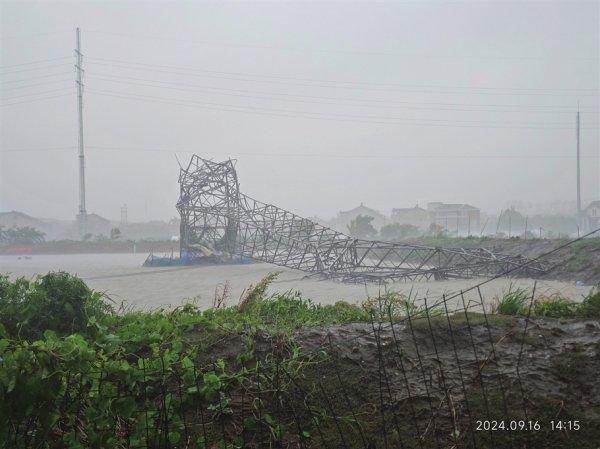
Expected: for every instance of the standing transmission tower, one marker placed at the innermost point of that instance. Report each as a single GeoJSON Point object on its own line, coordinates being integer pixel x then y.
{"type": "Point", "coordinates": [219, 221]}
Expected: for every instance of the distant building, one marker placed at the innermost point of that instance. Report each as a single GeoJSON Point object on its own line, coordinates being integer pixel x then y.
{"type": "Point", "coordinates": [343, 218]}
{"type": "Point", "coordinates": [20, 220]}
{"type": "Point", "coordinates": [415, 216]}
{"type": "Point", "coordinates": [455, 219]}
{"type": "Point", "coordinates": [97, 225]}
{"type": "Point", "coordinates": [592, 216]}
{"type": "Point", "coordinates": [51, 228]}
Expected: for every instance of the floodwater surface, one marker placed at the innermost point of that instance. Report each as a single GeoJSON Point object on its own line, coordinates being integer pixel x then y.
{"type": "Point", "coordinates": [123, 279]}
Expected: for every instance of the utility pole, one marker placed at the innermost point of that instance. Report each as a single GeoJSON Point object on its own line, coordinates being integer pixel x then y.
{"type": "Point", "coordinates": [578, 173]}
{"type": "Point", "coordinates": [82, 214]}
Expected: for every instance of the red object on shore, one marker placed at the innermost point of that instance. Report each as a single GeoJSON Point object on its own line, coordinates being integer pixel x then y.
{"type": "Point", "coordinates": [16, 250]}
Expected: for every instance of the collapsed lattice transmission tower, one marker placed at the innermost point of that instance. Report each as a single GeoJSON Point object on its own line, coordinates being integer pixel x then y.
{"type": "Point", "coordinates": [219, 221]}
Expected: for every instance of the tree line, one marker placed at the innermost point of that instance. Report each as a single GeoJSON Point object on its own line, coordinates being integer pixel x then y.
{"type": "Point", "coordinates": [16, 235]}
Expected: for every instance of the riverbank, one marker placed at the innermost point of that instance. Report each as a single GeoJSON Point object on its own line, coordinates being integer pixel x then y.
{"type": "Point", "coordinates": [281, 371]}
{"type": "Point", "coordinates": [579, 261]}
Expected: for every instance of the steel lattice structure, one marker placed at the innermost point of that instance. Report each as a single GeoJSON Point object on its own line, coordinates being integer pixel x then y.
{"type": "Point", "coordinates": [219, 221]}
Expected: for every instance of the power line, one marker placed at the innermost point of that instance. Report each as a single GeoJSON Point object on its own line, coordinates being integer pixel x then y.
{"type": "Point", "coordinates": [321, 50]}
{"type": "Point", "coordinates": [337, 81]}
{"type": "Point", "coordinates": [36, 93]}
{"type": "Point", "coordinates": [19, 150]}
{"type": "Point", "coordinates": [308, 155]}
{"type": "Point", "coordinates": [378, 101]}
{"type": "Point", "coordinates": [338, 86]}
{"type": "Point", "coordinates": [23, 36]}
{"type": "Point", "coordinates": [36, 77]}
{"type": "Point", "coordinates": [34, 100]}
{"type": "Point", "coordinates": [285, 111]}
{"type": "Point", "coordinates": [33, 68]}
{"type": "Point", "coordinates": [259, 95]}
{"type": "Point", "coordinates": [36, 84]}
{"type": "Point", "coordinates": [312, 115]}
{"type": "Point", "coordinates": [34, 62]}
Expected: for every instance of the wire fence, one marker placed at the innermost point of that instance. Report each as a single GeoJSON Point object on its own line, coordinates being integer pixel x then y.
{"type": "Point", "coordinates": [441, 376]}
{"type": "Point", "coordinates": [432, 379]}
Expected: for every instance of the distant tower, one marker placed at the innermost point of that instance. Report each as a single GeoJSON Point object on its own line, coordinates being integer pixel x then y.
{"type": "Point", "coordinates": [124, 215]}
{"type": "Point", "coordinates": [82, 213]}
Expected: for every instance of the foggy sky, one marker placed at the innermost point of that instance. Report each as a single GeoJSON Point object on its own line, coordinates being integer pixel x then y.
{"type": "Point", "coordinates": [325, 105]}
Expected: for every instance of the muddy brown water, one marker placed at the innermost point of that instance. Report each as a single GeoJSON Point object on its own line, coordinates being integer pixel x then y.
{"type": "Point", "coordinates": [122, 277]}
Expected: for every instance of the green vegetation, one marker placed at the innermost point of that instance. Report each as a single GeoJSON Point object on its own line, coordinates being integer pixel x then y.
{"type": "Point", "coordinates": [517, 302]}
{"type": "Point", "coordinates": [396, 231]}
{"type": "Point", "coordinates": [555, 306]}
{"type": "Point", "coordinates": [20, 236]}
{"type": "Point", "coordinates": [70, 360]}
{"type": "Point", "coordinates": [56, 302]}
{"type": "Point", "coordinates": [115, 233]}
{"type": "Point", "coordinates": [77, 372]}
{"type": "Point", "coordinates": [361, 227]}
{"type": "Point", "coordinates": [590, 306]}
{"type": "Point", "coordinates": [513, 302]}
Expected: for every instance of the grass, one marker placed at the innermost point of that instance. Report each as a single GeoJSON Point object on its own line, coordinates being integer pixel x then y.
{"type": "Point", "coordinates": [516, 302]}
{"type": "Point", "coordinates": [60, 343]}
{"type": "Point", "coordinates": [590, 306]}
{"type": "Point", "coordinates": [59, 339]}
{"type": "Point", "coordinates": [513, 302]}
{"type": "Point", "coordinates": [554, 306]}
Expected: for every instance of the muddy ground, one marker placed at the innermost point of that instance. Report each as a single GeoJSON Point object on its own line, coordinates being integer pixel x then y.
{"type": "Point", "coordinates": [438, 383]}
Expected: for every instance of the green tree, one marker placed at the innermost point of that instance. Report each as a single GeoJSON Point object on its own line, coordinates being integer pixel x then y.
{"type": "Point", "coordinates": [115, 233]}
{"type": "Point", "coordinates": [397, 231]}
{"type": "Point", "coordinates": [362, 228]}
{"type": "Point", "coordinates": [25, 235]}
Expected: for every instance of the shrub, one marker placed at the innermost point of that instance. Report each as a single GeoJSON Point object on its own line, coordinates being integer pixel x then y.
{"type": "Point", "coordinates": [58, 302]}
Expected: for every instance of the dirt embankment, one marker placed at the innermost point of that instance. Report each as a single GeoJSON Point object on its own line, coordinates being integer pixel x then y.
{"type": "Point", "coordinates": [442, 383]}
{"type": "Point", "coordinates": [432, 379]}
{"type": "Point", "coordinates": [579, 261]}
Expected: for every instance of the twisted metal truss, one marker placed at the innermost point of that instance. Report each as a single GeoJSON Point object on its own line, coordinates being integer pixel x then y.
{"type": "Point", "coordinates": [219, 221]}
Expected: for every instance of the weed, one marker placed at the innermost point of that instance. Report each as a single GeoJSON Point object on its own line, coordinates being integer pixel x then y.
{"type": "Point", "coordinates": [397, 306]}
{"type": "Point", "coordinates": [513, 302]}
{"type": "Point", "coordinates": [554, 306]}
{"type": "Point", "coordinates": [253, 293]}
{"type": "Point", "coordinates": [590, 306]}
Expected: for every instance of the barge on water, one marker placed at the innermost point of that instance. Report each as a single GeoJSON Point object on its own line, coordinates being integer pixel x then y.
{"type": "Point", "coordinates": [184, 259]}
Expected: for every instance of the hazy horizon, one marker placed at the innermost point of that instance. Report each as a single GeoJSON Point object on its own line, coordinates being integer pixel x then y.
{"type": "Point", "coordinates": [324, 105]}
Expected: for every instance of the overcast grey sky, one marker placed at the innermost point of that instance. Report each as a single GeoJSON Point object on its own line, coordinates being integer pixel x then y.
{"type": "Point", "coordinates": [324, 105]}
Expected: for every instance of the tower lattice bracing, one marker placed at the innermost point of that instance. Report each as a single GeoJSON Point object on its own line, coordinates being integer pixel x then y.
{"type": "Point", "coordinates": [219, 221]}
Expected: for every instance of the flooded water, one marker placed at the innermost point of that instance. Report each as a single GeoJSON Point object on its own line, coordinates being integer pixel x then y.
{"type": "Point", "coordinates": [122, 278]}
